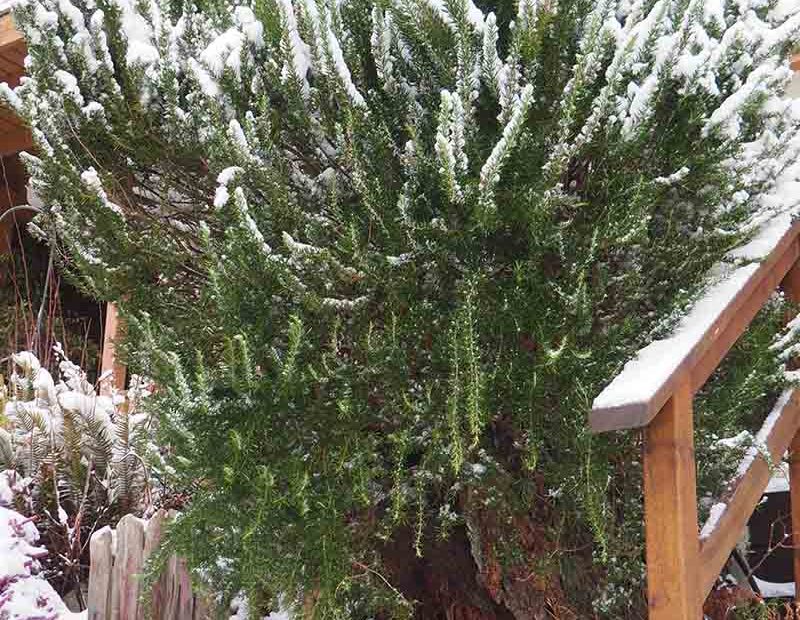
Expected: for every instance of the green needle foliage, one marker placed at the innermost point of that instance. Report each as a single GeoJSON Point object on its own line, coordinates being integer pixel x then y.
{"type": "Point", "coordinates": [380, 257]}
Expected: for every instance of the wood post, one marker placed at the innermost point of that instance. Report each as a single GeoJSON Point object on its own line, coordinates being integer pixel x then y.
{"type": "Point", "coordinates": [101, 554]}
{"type": "Point", "coordinates": [791, 284]}
{"type": "Point", "coordinates": [116, 565]}
{"type": "Point", "coordinates": [152, 538]}
{"type": "Point", "coordinates": [791, 287]}
{"type": "Point", "coordinates": [128, 565]}
{"type": "Point", "coordinates": [794, 503]}
{"type": "Point", "coordinates": [670, 509]}
{"type": "Point", "coordinates": [109, 361]}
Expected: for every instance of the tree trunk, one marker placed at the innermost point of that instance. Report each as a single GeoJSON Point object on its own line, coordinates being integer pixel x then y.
{"type": "Point", "coordinates": [459, 578]}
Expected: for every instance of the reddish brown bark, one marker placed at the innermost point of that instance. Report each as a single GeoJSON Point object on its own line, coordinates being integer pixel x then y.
{"type": "Point", "coordinates": [447, 583]}
{"type": "Point", "coordinates": [444, 582]}
{"type": "Point", "coordinates": [721, 604]}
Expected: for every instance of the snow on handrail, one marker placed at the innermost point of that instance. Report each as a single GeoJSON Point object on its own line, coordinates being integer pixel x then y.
{"type": "Point", "coordinates": [728, 518]}
{"type": "Point", "coordinates": [760, 447]}
{"type": "Point", "coordinates": [647, 381]}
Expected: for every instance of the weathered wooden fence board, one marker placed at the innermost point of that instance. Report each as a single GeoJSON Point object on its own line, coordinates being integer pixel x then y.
{"type": "Point", "coordinates": [152, 536]}
{"type": "Point", "coordinates": [115, 576]}
{"type": "Point", "coordinates": [102, 556]}
{"type": "Point", "coordinates": [128, 567]}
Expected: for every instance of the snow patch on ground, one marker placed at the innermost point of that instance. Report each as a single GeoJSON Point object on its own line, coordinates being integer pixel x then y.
{"type": "Point", "coordinates": [240, 610]}
{"type": "Point", "coordinates": [23, 594]}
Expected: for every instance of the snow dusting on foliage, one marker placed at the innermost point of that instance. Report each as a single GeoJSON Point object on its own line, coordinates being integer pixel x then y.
{"type": "Point", "coordinates": [366, 246]}
{"type": "Point", "coordinates": [48, 418]}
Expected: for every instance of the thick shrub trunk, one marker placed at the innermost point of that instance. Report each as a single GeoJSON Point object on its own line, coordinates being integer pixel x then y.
{"type": "Point", "coordinates": [447, 583]}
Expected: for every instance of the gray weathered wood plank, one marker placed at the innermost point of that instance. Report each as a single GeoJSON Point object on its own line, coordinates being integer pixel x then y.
{"type": "Point", "coordinates": [101, 556]}
{"type": "Point", "coordinates": [128, 567]}
{"type": "Point", "coordinates": [152, 538]}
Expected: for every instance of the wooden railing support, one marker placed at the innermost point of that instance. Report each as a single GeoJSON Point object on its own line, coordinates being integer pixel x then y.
{"type": "Point", "coordinates": [109, 362]}
{"type": "Point", "coordinates": [794, 503]}
{"type": "Point", "coordinates": [670, 504]}
{"type": "Point", "coordinates": [791, 287]}
{"type": "Point", "coordinates": [655, 391]}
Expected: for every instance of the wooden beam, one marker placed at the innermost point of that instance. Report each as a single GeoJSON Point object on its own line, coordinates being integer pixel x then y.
{"type": "Point", "coordinates": [670, 512]}
{"type": "Point", "coordinates": [9, 60]}
{"type": "Point", "coordinates": [12, 51]}
{"type": "Point", "coordinates": [12, 55]}
{"type": "Point", "coordinates": [745, 313]}
{"type": "Point", "coordinates": [10, 70]}
{"type": "Point", "coordinates": [109, 362]}
{"type": "Point", "coordinates": [703, 351]}
{"type": "Point", "coordinates": [791, 287]}
{"type": "Point", "coordinates": [15, 141]}
{"type": "Point", "coordinates": [782, 426]}
{"type": "Point", "coordinates": [16, 52]}
{"type": "Point", "coordinates": [9, 35]}
{"type": "Point", "coordinates": [794, 503]}
{"type": "Point", "coordinates": [8, 123]}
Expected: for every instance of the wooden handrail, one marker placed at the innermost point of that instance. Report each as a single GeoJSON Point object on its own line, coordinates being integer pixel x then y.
{"type": "Point", "coordinates": [655, 391]}
{"type": "Point", "coordinates": [9, 35]}
{"type": "Point", "coordinates": [703, 338]}
{"type": "Point", "coordinates": [15, 136]}
{"type": "Point", "coordinates": [726, 529]}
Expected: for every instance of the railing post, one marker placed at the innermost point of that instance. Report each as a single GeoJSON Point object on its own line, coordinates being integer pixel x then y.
{"type": "Point", "coordinates": [108, 357]}
{"type": "Point", "coordinates": [791, 287]}
{"type": "Point", "coordinates": [794, 503]}
{"type": "Point", "coordinates": [670, 512]}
